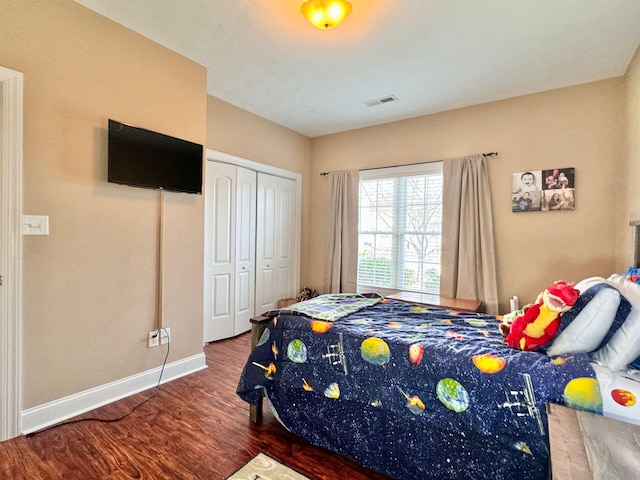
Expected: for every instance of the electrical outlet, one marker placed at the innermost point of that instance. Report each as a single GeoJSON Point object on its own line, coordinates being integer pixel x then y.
{"type": "Point", "coordinates": [154, 339]}
{"type": "Point", "coordinates": [165, 335]}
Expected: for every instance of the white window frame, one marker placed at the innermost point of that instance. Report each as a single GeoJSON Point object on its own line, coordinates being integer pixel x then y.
{"type": "Point", "coordinates": [421, 169]}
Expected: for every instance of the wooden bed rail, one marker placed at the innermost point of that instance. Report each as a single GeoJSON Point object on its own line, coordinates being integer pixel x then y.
{"type": "Point", "coordinates": [258, 326]}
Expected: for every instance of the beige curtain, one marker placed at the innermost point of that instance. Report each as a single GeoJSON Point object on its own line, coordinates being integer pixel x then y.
{"type": "Point", "coordinates": [342, 233]}
{"type": "Point", "coordinates": [468, 246]}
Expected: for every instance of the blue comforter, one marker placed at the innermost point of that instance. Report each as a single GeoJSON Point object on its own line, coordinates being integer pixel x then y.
{"type": "Point", "coordinates": [416, 392]}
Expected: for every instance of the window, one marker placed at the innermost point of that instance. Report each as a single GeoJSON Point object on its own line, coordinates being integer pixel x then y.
{"type": "Point", "coordinates": [399, 228]}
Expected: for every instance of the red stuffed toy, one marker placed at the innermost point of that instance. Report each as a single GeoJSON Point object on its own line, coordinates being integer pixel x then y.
{"type": "Point", "coordinates": [539, 323]}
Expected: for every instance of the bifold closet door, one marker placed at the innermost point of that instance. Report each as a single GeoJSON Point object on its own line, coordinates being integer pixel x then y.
{"type": "Point", "coordinates": [275, 238]}
{"type": "Point", "coordinates": [230, 228]}
{"type": "Point", "coordinates": [285, 273]}
{"type": "Point", "coordinates": [220, 254]}
{"type": "Point", "coordinates": [245, 248]}
{"type": "Point", "coordinates": [250, 245]}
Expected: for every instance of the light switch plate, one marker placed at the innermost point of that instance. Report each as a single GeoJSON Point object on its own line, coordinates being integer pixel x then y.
{"type": "Point", "coordinates": [35, 225]}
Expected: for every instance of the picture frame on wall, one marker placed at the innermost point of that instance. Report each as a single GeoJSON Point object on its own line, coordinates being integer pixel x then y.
{"type": "Point", "coordinates": [548, 190]}
{"type": "Point", "coordinates": [526, 191]}
{"type": "Point", "coordinates": [559, 189]}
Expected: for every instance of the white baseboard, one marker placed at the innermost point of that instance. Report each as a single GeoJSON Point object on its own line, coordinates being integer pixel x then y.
{"type": "Point", "coordinates": [45, 415]}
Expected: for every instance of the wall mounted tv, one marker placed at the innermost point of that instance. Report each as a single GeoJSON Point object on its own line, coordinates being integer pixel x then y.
{"type": "Point", "coordinates": [142, 158]}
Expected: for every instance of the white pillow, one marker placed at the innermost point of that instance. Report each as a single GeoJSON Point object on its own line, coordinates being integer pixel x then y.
{"type": "Point", "coordinates": [587, 283]}
{"type": "Point", "coordinates": [624, 346]}
{"type": "Point", "coordinates": [630, 290]}
{"type": "Point", "coordinates": [586, 332]}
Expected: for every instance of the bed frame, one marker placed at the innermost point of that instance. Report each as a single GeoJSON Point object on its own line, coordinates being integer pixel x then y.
{"type": "Point", "coordinates": [258, 326]}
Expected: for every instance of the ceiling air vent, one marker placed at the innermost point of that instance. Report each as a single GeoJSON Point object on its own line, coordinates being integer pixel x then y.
{"type": "Point", "coordinates": [380, 101]}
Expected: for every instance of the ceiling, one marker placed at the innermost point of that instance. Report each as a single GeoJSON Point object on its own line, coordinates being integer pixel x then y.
{"type": "Point", "coordinates": [433, 55]}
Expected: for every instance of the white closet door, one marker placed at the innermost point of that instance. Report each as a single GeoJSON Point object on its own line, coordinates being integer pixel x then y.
{"type": "Point", "coordinates": [220, 256]}
{"type": "Point", "coordinates": [275, 241]}
{"type": "Point", "coordinates": [285, 263]}
{"type": "Point", "coordinates": [245, 248]}
{"type": "Point", "coordinates": [265, 296]}
{"type": "Point", "coordinates": [251, 244]}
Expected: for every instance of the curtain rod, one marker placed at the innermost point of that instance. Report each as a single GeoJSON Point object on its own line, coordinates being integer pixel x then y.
{"type": "Point", "coordinates": [488, 154]}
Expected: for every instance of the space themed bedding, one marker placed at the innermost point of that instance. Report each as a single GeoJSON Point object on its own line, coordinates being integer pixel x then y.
{"type": "Point", "coordinates": [414, 392]}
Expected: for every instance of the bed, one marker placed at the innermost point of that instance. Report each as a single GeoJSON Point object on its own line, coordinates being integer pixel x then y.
{"type": "Point", "coordinates": [421, 392]}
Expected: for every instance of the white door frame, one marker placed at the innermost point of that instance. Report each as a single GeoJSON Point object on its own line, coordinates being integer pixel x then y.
{"type": "Point", "coordinates": [11, 85]}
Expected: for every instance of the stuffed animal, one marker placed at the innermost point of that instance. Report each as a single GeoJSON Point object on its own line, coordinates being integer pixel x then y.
{"type": "Point", "coordinates": [539, 322]}
{"type": "Point", "coordinates": [633, 274]}
{"type": "Point", "coordinates": [306, 293]}
{"type": "Point", "coordinates": [507, 319]}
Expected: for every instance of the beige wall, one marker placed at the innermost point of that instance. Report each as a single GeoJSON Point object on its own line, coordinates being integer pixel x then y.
{"type": "Point", "coordinates": [237, 132]}
{"type": "Point", "coordinates": [579, 127]}
{"type": "Point", "coordinates": [89, 287]}
{"type": "Point", "coordinates": [632, 156]}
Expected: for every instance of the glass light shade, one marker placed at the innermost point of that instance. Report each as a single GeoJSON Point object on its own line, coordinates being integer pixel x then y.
{"type": "Point", "coordinates": [326, 14]}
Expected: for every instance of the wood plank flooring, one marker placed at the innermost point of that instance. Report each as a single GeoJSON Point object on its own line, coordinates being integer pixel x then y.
{"type": "Point", "coordinates": [196, 427]}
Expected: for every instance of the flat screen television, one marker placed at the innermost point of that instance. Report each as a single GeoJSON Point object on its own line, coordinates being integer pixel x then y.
{"type": "Point", "coordinates": [142, 158]}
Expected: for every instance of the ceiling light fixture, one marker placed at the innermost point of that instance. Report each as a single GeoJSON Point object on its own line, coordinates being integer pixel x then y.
{"type": "Point", "coordinates": [326, 14]}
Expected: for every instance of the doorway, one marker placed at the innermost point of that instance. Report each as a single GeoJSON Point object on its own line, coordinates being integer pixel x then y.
{"type": "Point", "coordinates": [11, 128]}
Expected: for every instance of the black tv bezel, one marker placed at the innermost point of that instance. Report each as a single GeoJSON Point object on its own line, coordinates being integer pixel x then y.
{"type": "Point", "coordinates": [156, 139]}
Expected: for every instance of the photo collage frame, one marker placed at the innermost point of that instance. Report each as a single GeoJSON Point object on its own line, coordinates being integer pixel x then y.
{"type": "Point", "coordinates": [543, 190]}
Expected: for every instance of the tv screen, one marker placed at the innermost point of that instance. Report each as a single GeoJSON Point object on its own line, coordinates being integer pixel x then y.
{"type": "Point", "coordinates": [142, 158]}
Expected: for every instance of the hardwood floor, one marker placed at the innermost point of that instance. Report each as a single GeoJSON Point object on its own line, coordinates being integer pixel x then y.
{"type": "Point", "coordinates": [196, 427]}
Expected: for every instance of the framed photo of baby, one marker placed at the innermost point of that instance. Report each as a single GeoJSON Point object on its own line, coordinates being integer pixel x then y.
{"type": "Point", "coordinates": [543, 190]}
{"type": "Point", "coordinates": [526, 191]}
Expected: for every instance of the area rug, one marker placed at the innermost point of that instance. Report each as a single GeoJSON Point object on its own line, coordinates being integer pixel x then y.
{"type": "Point", "coordinates": [263, 467]}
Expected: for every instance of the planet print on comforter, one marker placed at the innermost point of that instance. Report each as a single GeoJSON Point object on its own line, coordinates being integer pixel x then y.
{"type": "Point", "coordinates": [452, 395]}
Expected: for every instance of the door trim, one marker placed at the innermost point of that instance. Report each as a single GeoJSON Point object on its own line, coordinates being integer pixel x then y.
{"type": "Point", "coordinates": [11, 84]}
